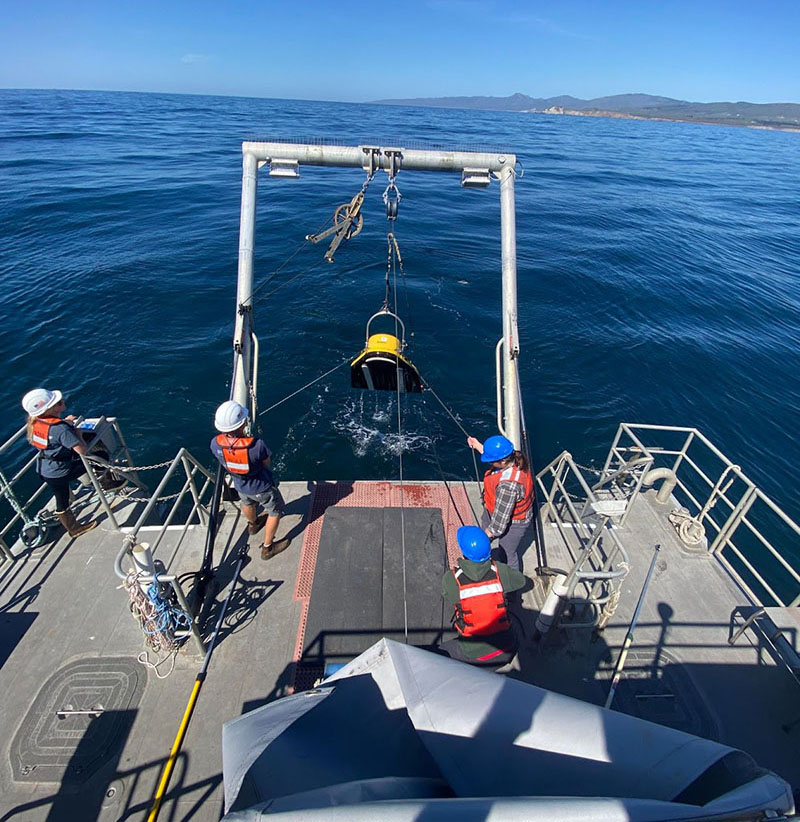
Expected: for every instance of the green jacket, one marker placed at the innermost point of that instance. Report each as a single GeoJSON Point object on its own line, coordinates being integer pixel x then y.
{"type": "Point", "coordinates": [510, 579]}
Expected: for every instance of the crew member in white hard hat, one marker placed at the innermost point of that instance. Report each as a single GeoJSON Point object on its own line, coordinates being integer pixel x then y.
{"type": "Point", "coordinates": [59, 443]}
{"type": "Point", "coordinates": [247, 460]}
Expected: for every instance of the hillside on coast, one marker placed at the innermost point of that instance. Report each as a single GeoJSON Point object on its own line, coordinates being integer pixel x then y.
{"type": "Point", "coordinates": [635, 106]}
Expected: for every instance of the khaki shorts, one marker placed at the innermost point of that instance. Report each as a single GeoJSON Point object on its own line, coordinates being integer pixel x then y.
{"type": "Point", "coordinates": [270, 500]}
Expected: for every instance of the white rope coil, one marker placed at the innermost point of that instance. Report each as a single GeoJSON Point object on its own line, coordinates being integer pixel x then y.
{"type": "Point", "coordinates": [690, 531]}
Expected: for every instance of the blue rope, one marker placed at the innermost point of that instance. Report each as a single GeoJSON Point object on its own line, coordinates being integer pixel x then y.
{"type": "Point", "coordinates": [169, 618]}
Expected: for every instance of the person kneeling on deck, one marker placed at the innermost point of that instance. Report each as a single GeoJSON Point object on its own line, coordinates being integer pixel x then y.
{"type": "Point", "coordinates": [247, 460]}
{"type": "Point", "coordinates": [59, 444]}
{"type": "Point", "coordinates": [478, 589]}
{"type": "Point", "coordinates": [507, 495]}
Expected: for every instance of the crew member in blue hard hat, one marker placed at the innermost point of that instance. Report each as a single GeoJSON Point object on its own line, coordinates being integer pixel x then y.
{"type": "Point", "coordinates": [507, 495]}
{"type": "Point", "coordinates": [247, 460]}
{"type": "Point", "coordinates": [478, 589]}
{"type": "Point", "coordinates": [59, 444]}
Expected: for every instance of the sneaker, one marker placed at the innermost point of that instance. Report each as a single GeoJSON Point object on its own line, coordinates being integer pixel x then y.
{"type": "Point", "coordinates": [277, 547]}
{"type": "Point", "coordinates": [255, 527]}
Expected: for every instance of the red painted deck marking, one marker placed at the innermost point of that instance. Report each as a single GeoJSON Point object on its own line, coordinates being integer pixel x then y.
{"type": "Point", "coordinates": [370, 495]}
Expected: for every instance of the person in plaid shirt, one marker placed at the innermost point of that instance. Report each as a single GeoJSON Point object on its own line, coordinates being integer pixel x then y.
{"type": "Point", "coordinates": [507, 496]}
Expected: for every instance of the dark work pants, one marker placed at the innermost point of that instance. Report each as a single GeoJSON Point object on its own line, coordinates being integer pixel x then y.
{"type": "Point", "coordinates": [512, 543]}
{"type": "Point", "coordinates": [60, 485]}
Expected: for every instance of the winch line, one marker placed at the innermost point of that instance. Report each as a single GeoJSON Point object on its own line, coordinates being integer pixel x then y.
{"type": "Point", "coordinates": [283, 265]}
{"type": "Point", "coordinates": [307, 385]}
{"type": "Point", "coordinates": [464, 430]}
{"type": "Point", "coordinates": [399, 440]}
{"type": "Point", "coordinates": [449, 491]}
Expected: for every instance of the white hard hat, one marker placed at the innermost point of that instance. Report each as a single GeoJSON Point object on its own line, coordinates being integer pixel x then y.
{"type": "Point", "coordinates": [230, 415]}
{"type": "Point", "coordinates": [36, 402]}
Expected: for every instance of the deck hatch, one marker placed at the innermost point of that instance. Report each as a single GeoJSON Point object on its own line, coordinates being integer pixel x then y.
{"type": "Point", "coordinates": [57, 741]}
{"type": "Point", "coordinates": [655, 687]}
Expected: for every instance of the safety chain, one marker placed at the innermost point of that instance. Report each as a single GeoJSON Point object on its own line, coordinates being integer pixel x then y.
{"type": "Point", "coordinates": [589, 468]}
{"type": "Point", "coordinates": [130, 497]}
{"type": "Point", "coordinates": [130, 468]}
{"type": "Point", "coordinates": [123, 469]}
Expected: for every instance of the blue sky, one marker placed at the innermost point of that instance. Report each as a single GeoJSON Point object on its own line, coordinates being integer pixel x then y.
{"type": "Point", "coordinates": [702, 50]}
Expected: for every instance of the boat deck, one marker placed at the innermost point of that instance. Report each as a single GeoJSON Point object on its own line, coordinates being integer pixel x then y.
{"type": "Point", "coordinates": [681, 670]}
{"type": "Point", "coordinates": [69, 643]}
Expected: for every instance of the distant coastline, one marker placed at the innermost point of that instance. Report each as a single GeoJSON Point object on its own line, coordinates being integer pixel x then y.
{"type": "Point", "coordinates": [769, 116]}
{"type": "Point", "coordinates": [618, 115]}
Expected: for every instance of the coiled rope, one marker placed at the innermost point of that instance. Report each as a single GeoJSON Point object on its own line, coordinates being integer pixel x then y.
{"type": "Point", "coordinates": [160, 620]}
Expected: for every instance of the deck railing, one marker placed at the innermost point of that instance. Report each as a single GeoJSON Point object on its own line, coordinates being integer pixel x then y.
{"type": "Point", "coordinates": [201, 498]}
{"type": "Point", "coordinates": [15, 485]}
{"type": "Point", "coordinates": [569, 504]}
{"type": "Point", "coordinates": [750, 535]}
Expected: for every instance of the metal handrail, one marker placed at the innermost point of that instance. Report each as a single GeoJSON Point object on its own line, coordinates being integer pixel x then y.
{"type": "Point", "coordinates": [183, 459]}
{"type": "Point", "coordinates": [499, 385]}
{"type": "Point", "coordinates": [603, 578]}
{"type": "Point", "coordinates": [191, 467]}
{"type": "Point", "coordinates": [102, 426]}
{"type": "Point", "coordinates": [688, 465]}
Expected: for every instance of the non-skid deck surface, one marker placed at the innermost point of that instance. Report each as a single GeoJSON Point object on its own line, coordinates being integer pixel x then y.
{"type": "Point", "coordinates": [68, 641]}
{"type": "Point", "coordinates": [350, 579]}
{"type": "Point", "coordinates": [360, 593]}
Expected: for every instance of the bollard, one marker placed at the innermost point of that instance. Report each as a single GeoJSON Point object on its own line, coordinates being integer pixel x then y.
{"type": "Point", "coordinates": [143, 562]}
{"type": "Point", "coordinates": [551, 605]}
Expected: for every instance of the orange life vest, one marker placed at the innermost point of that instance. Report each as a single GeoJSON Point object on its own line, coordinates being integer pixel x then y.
{"type": "Point", "coordinates": [492, 479]}
{"type": "Point", "coordinates": [481, 609]}
{"type": "Point", "coordinates": [235, 451]}
{"type": "Point", "coordinates": [41, 431]}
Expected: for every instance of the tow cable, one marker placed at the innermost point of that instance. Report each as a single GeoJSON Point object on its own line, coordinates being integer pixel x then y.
{"type": "Point", "coordinates": [169, 765]}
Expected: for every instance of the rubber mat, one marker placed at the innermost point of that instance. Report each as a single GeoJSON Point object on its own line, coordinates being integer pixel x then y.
{"type": "Point", "coordinates": [358, 591]}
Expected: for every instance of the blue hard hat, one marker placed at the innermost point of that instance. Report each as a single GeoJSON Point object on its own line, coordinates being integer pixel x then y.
{"type": "Point", "coordinates": [497, 448]}
{"type": "Point", "coordinates": [474, 543]}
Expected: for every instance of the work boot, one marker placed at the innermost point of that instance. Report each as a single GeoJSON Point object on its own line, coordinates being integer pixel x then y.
{"type": "Point", "coordinates": [71, 525]}
{"type": "Point", "coordinates": [257, 525]}
{"type": "Point", "coordinates": [277, 547]}
{"type": "Point", "coordinates": [111, 482]}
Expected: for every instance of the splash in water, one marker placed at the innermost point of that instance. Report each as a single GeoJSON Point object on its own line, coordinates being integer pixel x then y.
{"type": "Point", "coordinates": [368, 421]}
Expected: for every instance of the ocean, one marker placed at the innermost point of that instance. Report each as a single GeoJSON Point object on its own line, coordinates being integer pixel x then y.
{"type": "Point", "coordinates": [659, 280]}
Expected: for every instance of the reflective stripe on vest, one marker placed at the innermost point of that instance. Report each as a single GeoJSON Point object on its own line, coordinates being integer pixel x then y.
{"type": "Point", "coordinates": [40, 436]}
{"type": "Point", "coordinates": [491, 479]}
{"type": "Point", "coordinates": [481, 610]}
{"type": "Point", "coordinates": [236, 453]}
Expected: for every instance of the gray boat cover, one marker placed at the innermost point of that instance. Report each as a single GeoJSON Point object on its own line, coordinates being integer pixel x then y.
{"type": "Point", "coordinates": [401, 733]}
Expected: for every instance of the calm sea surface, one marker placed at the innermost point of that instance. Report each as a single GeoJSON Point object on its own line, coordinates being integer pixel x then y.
{"type": "Point", "coordinates": [659, 279]}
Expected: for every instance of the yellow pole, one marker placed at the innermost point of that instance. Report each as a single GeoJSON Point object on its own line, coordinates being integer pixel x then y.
{"type": "Point", "coordinates": [166, 775]}
{"type": "Point", "coordinates": [187, 714]}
